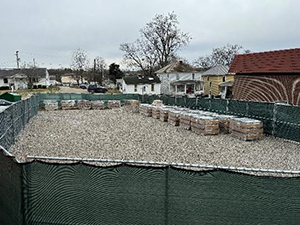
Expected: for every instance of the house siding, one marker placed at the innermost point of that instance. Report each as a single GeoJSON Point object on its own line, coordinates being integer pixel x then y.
{"type": "Point", "coordinates": [270, 88]}
{"type": "Point", "coordinates": [167, 78]}
{"type": "Point", "coordinates": [215, 82]}
{"type": "Point", "coordinates": [130, 89]}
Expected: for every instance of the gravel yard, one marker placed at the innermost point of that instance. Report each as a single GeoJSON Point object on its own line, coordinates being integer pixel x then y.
{"type": "Point", "coordinates": [116, 134]}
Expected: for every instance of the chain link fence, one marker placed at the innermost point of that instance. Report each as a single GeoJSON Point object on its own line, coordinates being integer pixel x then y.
{"type": "Point", "coordinates": [14, 118]}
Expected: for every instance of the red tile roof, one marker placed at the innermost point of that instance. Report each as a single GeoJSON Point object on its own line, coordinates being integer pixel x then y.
{"type": "Point", "coordinates": [281, 61]}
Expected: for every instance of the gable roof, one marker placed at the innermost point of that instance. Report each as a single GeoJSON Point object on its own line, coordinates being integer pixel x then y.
{"type": "Point", "coordinates": [216, 70]}
{"type": "Point", "coordinates": [179, 66]}
{"type": "Point", "coordinates": [141, 80]}
{"type": "Point", "coordinates": [281, 61]}
{"type": "Point", "coordinates": [7, 73]}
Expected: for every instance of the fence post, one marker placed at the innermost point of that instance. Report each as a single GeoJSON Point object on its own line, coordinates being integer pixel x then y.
{"type": "Point", "coordinates": [274, 119]}
{"type": "Point", "coordinates": [227, 103]}
{"type": "Point", "coordinates": [167, 197]}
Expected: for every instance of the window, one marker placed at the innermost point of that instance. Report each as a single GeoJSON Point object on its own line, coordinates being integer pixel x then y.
{"type": "Point", "coordinates": [193, 76]}
{"type": "Point", "coordinates": [224, 78]}
{"type": "Point", "coordinates": [210, 84]}
{"type": "Point", "coordinates": [152, 87]}
{"type": "Point", "coordinates": [177, 76]}
{"type": "Point", "coordinates": [180, 88]}
{"type": "Point", "coordinates": [168, 76]}
{"type": "Point", "coordinates": [135, 88]}
{"type": "Point", "coordinates": [5, 80]}
{"type": "Point", "coordinates": [207, 78]}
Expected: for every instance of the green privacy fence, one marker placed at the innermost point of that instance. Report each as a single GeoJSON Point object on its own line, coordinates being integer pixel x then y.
{"type": "Point", "coordinates": [11, 211]}
{"type": "Point", "coordinates": [279, 120]}
{"type": "Point", "coordinates": [14, 118]}
{"type": "Point", "coordinates": [91, 97]}
{"type": "Point", "coordinates": [40, 193]}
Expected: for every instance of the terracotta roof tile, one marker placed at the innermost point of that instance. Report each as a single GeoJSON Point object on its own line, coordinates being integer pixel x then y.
{"type": "Point", "coordinates": [281, 61]}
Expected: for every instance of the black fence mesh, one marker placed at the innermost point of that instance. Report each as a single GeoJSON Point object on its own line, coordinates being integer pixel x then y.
{"type": "Point", "coordinates": [84, 194]}
{"type": "Point", "coordinates": [10, 191]}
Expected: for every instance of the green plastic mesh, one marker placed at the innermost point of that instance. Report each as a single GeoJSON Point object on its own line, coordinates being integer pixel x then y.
{"type": "Point", "coordinates": [10, 191]}
{"type": "Point", "coordinates": [263, 112]}
{"type": "Point", "coordinates": [191, 103]}
{"type": "Point", "coordinates": [82, 194]}
{"type": "Point", "coordinates": [237, 108]}
{"type": "Point", "coordinates": [219, 197]}
{"type": "Point", "coordinates": [218, 105]}
{"type": "Point", "coordinates": [203, 104]}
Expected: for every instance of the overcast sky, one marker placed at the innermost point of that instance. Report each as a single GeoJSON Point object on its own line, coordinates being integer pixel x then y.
{"type": "Point", "coordinates": [50, 31]}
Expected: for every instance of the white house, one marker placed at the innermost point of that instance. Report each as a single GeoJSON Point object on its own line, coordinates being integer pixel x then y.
{"type": "Point", "coordinates": [18, 78]}
{"type": "Point", "coordinates": [180, 78]}
{"type": "Point", "coordinates": [141, 85]}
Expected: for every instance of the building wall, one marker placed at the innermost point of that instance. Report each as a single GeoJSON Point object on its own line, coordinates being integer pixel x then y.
{"type": "Point", "coordinates": [215, 82]}
{"type": "Point", "coordinates": [167, 78]}
{"type": "Point", "coordinates": [268, 88]}
{"type": "Point", "coordinates": [130, 89]}
{"type": "Point", "coordinates": [2, 84]}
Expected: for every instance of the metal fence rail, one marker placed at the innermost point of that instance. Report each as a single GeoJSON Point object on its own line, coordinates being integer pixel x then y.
{"type": "Point", "coordinates": [152, 163]}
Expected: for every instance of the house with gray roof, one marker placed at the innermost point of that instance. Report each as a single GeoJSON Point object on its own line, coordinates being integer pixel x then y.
{"type": "Point", "coordinates": [217, 81]}
{"type": "Point", "coordinates": [139, 84]}
{"type": "Point", "coordinates": [19, 78]}
{"type": "Point", "coordinates": [180, 78]}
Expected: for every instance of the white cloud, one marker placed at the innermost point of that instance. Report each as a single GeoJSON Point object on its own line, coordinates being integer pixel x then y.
{"type": "Point", "coordinates": [58, 27]}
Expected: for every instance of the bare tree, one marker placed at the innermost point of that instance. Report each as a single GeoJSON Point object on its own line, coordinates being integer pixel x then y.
{"type": "Point", "coordinates": [80, 63]}
{"type": "Point", "coordinates": [99, 69]}
{"type": "Point", "coordinates": [160, 40]}
{"type": "Point", "coordinates": [222, 55]}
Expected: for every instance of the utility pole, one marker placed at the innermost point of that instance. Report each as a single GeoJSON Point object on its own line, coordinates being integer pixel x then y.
{"type": "Point", "coordinates": [18, 59]}
{"type": "Point", "coordinates": [33, 62]}
{"type": "Point", "coordinates": [94, 70]}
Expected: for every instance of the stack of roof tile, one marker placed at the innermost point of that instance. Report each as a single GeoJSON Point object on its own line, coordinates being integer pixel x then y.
{"type": "Point", "coordinates": [132, 106]}
{"type": "Point", "coordinates": [185, 120]}
{"type": "Point", "coordinates": [51, 105]}
{"type": "Point", "coordinates": [113, 104]}
{"type": "Point", "coordinates": [164, 114]}
{"type": "Point", "coordinates": [246, 129]}
{"type": "Point", "coordinates": [157, 102]}
{"type": "Point", "coordinates": [68, 104]}
{"type": "Point", "coordinates": [206, 125]}
{"type": "Point", "coordinates": [84, 104]}
{"type": "Point", "coordinates": [146, 110]}
{"type": "Point", "coordinates": [224, 123]}
{"type": "Point", "coordinates": [98, 105]}
{"type": "Point", "coordinates": [156, 112]}
{"type": "Point", "coordinates": [174, 117]}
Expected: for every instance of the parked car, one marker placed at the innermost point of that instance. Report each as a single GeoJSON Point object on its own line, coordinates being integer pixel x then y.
{"type": "Point", "coordinates": [84, 86]}
{"type": "Point", "coordinates": [94, 88]}
{"type": "Point", "coordinates": [4, 102]}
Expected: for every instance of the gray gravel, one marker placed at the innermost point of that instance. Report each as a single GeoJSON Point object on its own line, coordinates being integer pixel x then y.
{"type": "Point", "coordinates": [116, 134]}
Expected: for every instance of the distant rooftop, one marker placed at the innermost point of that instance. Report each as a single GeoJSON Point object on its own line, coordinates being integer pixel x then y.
{"type": "Point", "coordinates": [6, 73]}
{"type": "Point", "coordinates": [178, 66]}
{"type": "Point", "coordinates": [217, 70]}
{"type": "Point", "coordinates": [141, 79]}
